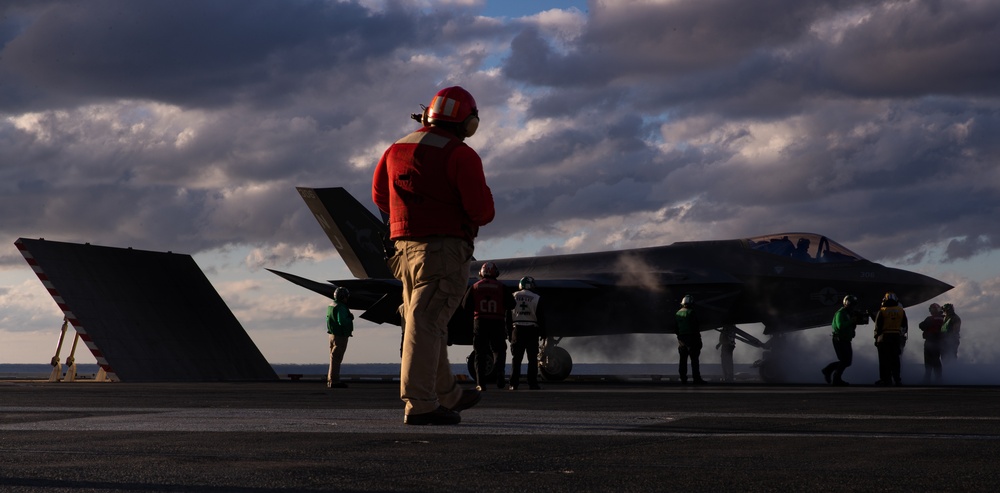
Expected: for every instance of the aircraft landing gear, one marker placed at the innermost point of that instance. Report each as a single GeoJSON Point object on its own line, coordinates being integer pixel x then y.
{"type": "Point", "coordinates": [493, 370]}
{"type": "Point", "coordinates": [771, 365]}
{"type": "Point", "coordinates": [554, 362]}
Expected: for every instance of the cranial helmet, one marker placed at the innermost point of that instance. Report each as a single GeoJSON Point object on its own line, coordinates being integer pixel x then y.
{"type": "Point", "coordinates": [850, 300]}
{"type": "Point", "coordinates": [455, 105]}
{"type": "Point", "coordinates": [341, 294]}
{"type": "Point", "coordinates": [527, 282]}
{"type": "Point", "coordinates": [687, 300]}
{"type": "Point", "coordinates": [934, 308]}
{"type": "Point", "coordinates": [489, 270]}
{"type": "Point", "coordinates": [889, 295]}
{"type": "Point", "coordinates": [948, 308]}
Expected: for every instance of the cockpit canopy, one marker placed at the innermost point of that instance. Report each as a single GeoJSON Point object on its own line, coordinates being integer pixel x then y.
{"type": "Point", "coordinates": [808, 247]}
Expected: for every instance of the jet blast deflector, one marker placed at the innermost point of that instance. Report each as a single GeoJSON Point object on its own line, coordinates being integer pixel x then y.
{"type": "Point", "coordinates": [146, 316]}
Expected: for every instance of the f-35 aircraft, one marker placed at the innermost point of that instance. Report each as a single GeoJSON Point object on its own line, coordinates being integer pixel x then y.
{"type": "Point", "coordinates": [787, 282]}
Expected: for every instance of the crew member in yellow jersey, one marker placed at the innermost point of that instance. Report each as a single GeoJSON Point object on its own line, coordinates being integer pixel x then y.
{"type": "Point", "coordinates": [890, 337]}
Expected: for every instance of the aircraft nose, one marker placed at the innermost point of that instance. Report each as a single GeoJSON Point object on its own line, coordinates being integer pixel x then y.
{"type": "Point", "coordinates": [915, 288]}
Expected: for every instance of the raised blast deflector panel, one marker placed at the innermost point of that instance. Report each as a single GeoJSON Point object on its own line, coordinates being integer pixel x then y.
{"type": "Point", "coordinates": [146, 316]}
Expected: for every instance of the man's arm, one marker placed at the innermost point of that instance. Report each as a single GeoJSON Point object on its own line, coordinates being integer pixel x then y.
{"type": "Point", "coordinates": [470, 181]}
{"type": "Point", "coordinates": [380, 184]}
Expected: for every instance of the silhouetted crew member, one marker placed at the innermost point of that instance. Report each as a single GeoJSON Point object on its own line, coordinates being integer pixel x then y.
{"type": "Point", "coordinates": [845, 322]}
{"type": "Point", "coordinates": [951, 329]}
{"type": "Point", "coordinates": [688, 340]}
{"type": "Point", "coordinates": [890, 337]}
{"type": "Point", "coordinates": [726, 345]}
{"type": "Point", "coordinates": [433, 189]}
{"type": "Point", "coordinates": [340, 327]}
{"type": "Point", "coordinates": [526, 330]}
{"type": "Point", "coordinates": [931, 328]}
{"type": "Point", "coordinates": [490, 303]}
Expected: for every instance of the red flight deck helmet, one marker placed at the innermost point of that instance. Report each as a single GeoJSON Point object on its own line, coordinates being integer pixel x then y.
{"type": "Point", "coordinates": [489, 270]}
{"type": "Point", "coordinates": [454, 104]}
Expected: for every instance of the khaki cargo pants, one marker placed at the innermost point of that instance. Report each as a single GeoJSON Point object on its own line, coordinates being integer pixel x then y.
{"type": "Point", "coordinates": [435, 274]}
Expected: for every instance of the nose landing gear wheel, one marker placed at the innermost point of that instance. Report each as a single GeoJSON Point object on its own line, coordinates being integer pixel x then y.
{"type": "Point", "coordinates": [555, 363]}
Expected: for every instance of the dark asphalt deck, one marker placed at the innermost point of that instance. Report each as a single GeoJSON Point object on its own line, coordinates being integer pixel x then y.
{"type": "Point", "coordinates": [571, 436]}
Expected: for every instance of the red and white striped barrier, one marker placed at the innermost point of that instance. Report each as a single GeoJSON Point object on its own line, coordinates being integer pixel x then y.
{"type": "Point", "coordinates": [77, 324]}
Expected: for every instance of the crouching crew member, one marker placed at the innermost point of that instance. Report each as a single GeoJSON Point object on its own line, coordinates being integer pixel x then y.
{"type": "Point", "coordinates": [526, 331]}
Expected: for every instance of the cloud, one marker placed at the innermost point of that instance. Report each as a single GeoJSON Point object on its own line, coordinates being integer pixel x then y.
{"type": "Point", "coordinates": [27, 307]}
{"type": "Point", "coordinates": [966, 247]}
{"type": "Point", "coordinates": [186, 126]}
{"type": "Point", "coordinates": [229, 51]}
{"type": "Point", "coordinates": [612, 113]}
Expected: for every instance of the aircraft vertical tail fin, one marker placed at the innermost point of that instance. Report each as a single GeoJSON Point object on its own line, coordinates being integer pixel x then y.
{"type": "Point", "coordinates": [354, 230]}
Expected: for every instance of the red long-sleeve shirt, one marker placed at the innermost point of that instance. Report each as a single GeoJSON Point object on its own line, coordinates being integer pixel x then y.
{"type": "Point", "coordinates": [432, 184]}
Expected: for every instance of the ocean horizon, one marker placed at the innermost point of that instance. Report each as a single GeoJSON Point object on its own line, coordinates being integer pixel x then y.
{"type": "Point", "coordinates": [955, 374]}
{"type": "Point", "coordinates": [42, 371]}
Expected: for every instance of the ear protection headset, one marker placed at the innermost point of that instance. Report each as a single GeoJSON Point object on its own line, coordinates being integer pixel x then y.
{"type": "Point", "coordinates": [470, 124]}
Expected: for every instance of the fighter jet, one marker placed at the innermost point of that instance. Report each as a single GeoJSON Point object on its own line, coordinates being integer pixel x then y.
{"type": "Point", "coordinates": [787, 282]}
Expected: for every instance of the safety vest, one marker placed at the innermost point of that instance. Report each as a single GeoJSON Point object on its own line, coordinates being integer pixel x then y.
{"type": "Point", "coordinates": [525, 308]}
{"type": "Point", "coordinates": [686, 322]}
{"type": "Point", "coordinates": [488, 299]}
{"type": "Point", "coordinates": [952, 324]}
{"type": "Point", "coordinates": [892, 318]}
{"type": "Point", "coordinates": [339, 320]}
{"type": "Point", "coordinates": [844, 324]}
{"type": "Point", "coordinates": [432, 184]}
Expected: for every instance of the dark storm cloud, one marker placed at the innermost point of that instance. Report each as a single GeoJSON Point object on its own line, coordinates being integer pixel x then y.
{"type": "Point", "coordinates": [702, 48]}
{"type": "Point", "coordinates": [662, 41]}
{"type": "Point", "coordinates": [966, 247]}
{"type": "Point", "coordinates": [879, 107]}
{"type": "Point", "coordinates": [915, 48]}
{"type": "Point", "coordinates": [851, 115]}
{"type": "Point", "coordinates": [187, 125]}
{"type": "Point", "coordinates": [577, 172]}
{"type": "Point", "coordinates": [197, 53]}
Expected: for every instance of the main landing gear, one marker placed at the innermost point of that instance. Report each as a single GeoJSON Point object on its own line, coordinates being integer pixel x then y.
{"type": "Point", "coordinates": [554, 362]}
{"type": "Point", "coordinates": [492, 369]}
{"type": "Point", "coordinates": [771, 365]}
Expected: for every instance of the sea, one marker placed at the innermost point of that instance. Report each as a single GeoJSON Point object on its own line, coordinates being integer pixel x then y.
{"type": "Point", "coordinates": [977, 374]}
{"type": "Point", "coordinates": [389, 370]}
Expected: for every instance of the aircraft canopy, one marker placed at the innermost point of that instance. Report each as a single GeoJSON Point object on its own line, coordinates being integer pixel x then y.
{"type": "Point", "coordinates": [808, 247]}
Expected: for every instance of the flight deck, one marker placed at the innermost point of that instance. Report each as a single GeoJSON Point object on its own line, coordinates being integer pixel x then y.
{"type": "Point", "coordinates": [569, 436]}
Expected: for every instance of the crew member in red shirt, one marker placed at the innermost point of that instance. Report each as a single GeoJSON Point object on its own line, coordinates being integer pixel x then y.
{"type": "Point", "coordinates": [931, 328]}
{"type": "Point", "coordinates": [490, 302]}
{"type": "Point", "coordinates": [433, 189]}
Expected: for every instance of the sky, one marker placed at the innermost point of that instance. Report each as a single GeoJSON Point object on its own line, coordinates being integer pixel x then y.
{"type": "Point", "coordinates": [186, 126]}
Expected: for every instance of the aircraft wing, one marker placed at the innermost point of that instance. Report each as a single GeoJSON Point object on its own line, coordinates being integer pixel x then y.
{"type": "Point", "coordinates": [378, 298]}
{"type": "Point", "coordinates": [325, 289]}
